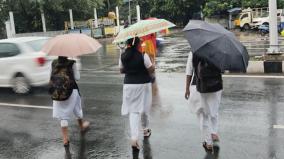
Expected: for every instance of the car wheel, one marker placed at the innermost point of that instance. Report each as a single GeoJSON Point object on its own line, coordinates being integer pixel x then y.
{"type": "Point", "coordinates": [21, 84]}
{"type": "Point", "coordinates": [262, 33]}
{"type": "Point", "coordinates": [246, 27]}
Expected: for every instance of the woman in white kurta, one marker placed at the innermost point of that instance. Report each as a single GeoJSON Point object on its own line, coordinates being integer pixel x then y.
{"type": "Point", "coordinates": [66, 110]}
{"type": "Point", "coordinates": [204, 105]}
{"type": "Point", "coordinates": [137, 90]}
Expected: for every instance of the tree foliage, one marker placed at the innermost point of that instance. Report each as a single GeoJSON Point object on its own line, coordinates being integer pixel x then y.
{"type": "Point", "coordinates": [27, 13]}
{"type": "Point", "coordinates": [177, 11]}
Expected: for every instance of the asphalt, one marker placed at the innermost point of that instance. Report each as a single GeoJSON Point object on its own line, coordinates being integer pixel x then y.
{"type": "Point", "coordinates": [251, 117]}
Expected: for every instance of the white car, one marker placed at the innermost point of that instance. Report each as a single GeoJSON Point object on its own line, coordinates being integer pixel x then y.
{"type": "Point", "coordinates": [22, 65]}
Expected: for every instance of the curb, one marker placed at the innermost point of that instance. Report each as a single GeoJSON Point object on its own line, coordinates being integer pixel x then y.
{"type": "Point", "coordinates": [265, 67]}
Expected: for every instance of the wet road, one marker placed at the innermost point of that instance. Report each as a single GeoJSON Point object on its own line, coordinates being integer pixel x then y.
{"type": "Point", "coordinates": [250, 107]}
{"type": "Point", "coordinates": [173, 54]}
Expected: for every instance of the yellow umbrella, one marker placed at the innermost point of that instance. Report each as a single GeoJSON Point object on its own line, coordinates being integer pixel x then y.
{"type": "Point", "coordinates": [142, 28]}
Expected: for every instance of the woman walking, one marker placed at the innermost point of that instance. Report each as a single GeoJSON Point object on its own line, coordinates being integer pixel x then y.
{"type": "Point", "coordinates": [66, 97]}
{"type": "Point", "coordinates": [204, 89]}
{"type": "Point", "coordinates": [137, 90]}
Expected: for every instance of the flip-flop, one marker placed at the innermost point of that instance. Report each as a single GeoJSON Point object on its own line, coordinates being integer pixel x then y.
{"type": "Point", "coordinates": [68, 154]}
{"type": "Point", "coordinates": [67, 145]}
{"type": "Point", "coordinates": [216, 149]}
{"type": "Point", "coordinates": [207, 150]}
{"type": "Point", "coordinates": [147, 132]}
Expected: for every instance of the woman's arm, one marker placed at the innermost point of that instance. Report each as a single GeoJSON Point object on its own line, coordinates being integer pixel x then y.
{"type": "Point", "coordinates": [187, 85]}
{"type": "Point", "coordinates": [120, 65]}
{"type": "Point", "coordinates": [76, 72]}
{"type": "Point", "coordinates": [189, 72]}
{"type": "Point", "coordinates": [148, 64]}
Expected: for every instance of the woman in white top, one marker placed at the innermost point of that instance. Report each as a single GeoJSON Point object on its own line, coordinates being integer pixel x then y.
{"type": "Point", "coordinates": [137, 90]}
{"type": "Point", "coordinates": [65, 110]}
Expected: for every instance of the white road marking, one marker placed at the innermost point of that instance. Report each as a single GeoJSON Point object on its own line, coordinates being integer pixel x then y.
{"type": "Point", "coordinates": [116, 74]}
{"type": "Point", "coordinates": [278, 126]}
{"type": "Point", "coordinates": [254, 76]}
{"type": "Point", "coordinates": [24, 106]}
{"type": "Point", "coordinates": [265, 76]}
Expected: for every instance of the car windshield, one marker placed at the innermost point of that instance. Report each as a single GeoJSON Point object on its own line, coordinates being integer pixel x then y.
{"type": "Point", "coordinates": [37, 44]}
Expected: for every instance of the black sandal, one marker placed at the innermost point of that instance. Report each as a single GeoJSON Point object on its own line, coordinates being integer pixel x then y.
{"type": "Point", "coordinates": [207, 150]}
{"type": "Point", "coordinates": [67, 151]}
{"type": "Point", "coordinates": [216, 149]}
{"type": "Point", "coordinates": [66, 145]}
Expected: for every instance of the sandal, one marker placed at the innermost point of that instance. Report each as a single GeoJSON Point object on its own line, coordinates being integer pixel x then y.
{"type": "Point", "coordinates": [207, 148]}
{"type": "Point", "coordinates": [67, 151]}
{"type": "Point", "coordinates": [216, 150]}
{"type": "Point", "coordinates": [216, 147]}
{"type": "Point", "coordinates": [67, 145]}
{"type": "Point", "coordinates": [147, 132]}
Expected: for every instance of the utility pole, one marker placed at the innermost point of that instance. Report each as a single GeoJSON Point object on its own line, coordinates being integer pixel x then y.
{"type": "Point", "coordinates": [8, 29]}
{"type": "Point", "coordinates": [273, 60]}
{"type": "Point", "coordinates": [12, 23]}
{"type": "Point", "coordinates": [273, 34]}
{"type": "Point", "coordinates": [108, 5]}
{"type": "Point", "coordinates": [96, 18]}
{"type": "Point", "coordinates": [117, 19]}
{"type": "Point", "coordinates": [129, 8]}
{"type": "Point", "coordinates": [138, 13]}
{"type": "Point", "coordinates": [71, 19]}
{"type": "Point", "coordinates": [43, 21]}
{"type": "Point", "coordinates": [42, 17]}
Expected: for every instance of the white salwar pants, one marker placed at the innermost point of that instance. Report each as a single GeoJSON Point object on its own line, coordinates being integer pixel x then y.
{"type": "Point", "coordinates": [208, 115]}
{"type": "Point", "coordinates": [137, 101]}
{"type": "Point", "coordinates": [134, 120]}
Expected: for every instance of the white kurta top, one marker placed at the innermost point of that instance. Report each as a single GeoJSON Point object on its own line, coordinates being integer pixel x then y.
{"type": "Point", "coordinates": [197, 101]}
{"type": "Point", "coordinates": [70, 107]}
{"type": "Point", "coordinates": [194, 98]}
{"type": "Point", "coordinates": [137, 98]}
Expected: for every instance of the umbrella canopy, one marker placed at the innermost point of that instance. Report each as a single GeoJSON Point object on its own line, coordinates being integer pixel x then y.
{"type": "Point", "coordinates": [71, 45]}
{"type": "Point", "coordinates": [142, 28]}
{"type": "Point", "coordinates": [216, 44]}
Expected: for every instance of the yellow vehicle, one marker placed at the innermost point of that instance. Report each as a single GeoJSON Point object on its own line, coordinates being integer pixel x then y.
{"type": "Point", "coordinates": [252, 18]}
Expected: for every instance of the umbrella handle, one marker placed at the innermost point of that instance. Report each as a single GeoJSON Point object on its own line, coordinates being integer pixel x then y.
{"type": "Point", "coordinates": [133, 40]}
{"type": "Point", "coordinates": [121, 46]}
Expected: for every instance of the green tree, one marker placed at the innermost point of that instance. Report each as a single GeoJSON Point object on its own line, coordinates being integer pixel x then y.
{"type": "Point", "coordinates": [177, 11]}
{"type": "Point", "coordinates": [28, 19]}
{"type": "Point", "coordinates": [3, 18]}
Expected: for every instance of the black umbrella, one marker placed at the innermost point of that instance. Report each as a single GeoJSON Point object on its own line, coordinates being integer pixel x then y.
{"type": "Point", "coordinates": [216, 44]}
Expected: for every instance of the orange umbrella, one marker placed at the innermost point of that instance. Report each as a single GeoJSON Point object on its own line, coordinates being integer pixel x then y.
{"type": "Point", "coordinates": [71, 45]}
{"type": "Point", "coordinates": [150, 45]}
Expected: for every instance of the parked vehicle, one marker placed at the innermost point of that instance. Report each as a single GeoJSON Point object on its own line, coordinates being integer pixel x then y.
{"type": "Point", "coordinates": [264, 28]}
{"type": "Point", "coordinates": [253, 18]}
{"type": "Point", "coordinates": [23, 65]}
